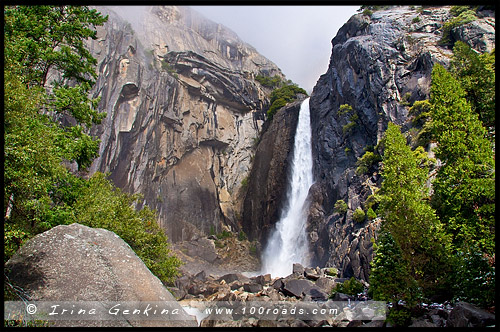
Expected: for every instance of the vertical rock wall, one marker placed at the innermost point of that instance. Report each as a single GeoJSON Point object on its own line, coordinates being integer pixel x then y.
{"type": "Point", "coordinates": [379, 64]}
{"type": "Point", "coordinates": [183, 112]}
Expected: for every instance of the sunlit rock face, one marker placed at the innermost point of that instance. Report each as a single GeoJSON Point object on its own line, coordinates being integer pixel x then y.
{"type": "Point", "coordinates": [378, 66]}
{"type": "Point", "coordinates": [183, 113]}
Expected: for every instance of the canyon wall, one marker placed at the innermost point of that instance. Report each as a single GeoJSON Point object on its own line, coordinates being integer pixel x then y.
{"type": "Point", "coordinates": [183, 112]}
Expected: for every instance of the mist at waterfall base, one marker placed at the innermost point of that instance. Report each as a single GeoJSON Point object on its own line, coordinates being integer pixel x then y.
{"type": "Point", "coordinates": [288, 241]}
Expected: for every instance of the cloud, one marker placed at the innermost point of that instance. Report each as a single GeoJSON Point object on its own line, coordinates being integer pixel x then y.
{"type": "Point", "coordinates": [296, 38]}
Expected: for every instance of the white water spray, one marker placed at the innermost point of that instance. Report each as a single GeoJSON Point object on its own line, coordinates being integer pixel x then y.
{"type": "Point", "coordinates": [288, 241]}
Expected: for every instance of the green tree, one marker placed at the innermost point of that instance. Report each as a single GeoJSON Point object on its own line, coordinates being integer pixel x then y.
{"type": "Point", "coordinates": [340, 206]}
{"type": "Point", "coordinates": [476, 74]}
{"type": "Point", "coordinates": [282, 96]}
{"type": "Point", "coordinates": [408, 218]}
{"type": "Point", "coordinates": [102, 205]}
{"type": "Point", "coordinates": [42, 42]}
{"type": "Point", "coordinates": [464, 188]}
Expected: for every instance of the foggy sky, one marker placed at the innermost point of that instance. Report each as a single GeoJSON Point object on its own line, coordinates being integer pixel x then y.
{"type": "Point", "coordinates": [296, 38]}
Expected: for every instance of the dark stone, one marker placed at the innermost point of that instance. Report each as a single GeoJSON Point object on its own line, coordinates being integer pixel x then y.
{"type": "Point", "coordinates": [298, 269]}
{"type": "Point", "coordinates": [230, 277]}
{"type": "Point", "coordinates": [316, 294]}
{"type": "Point", "coordinates": [297, 287]}
{"type": "Point", "coordinates": [278, 284]}
{"type": "Point", "coordinates": [262, 279]}
{"type": "Point", "coordinates": [341, 297]}
{"type": "Point", "coordinates": [422, 322]}
{"type": "Point", "coordinates": [252, 288]}
{"type": "Point", "coordinates": [468, 315]}
{"type": "Point", "coordinates": [325, 284]}
{"type": "Point", "coordinates": [268, 177]}
{"type": "Point", "coordinates": [311, 273]}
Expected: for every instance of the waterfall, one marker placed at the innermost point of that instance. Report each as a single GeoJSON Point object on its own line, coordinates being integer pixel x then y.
{"type": "Point", "coordinates": [288, 243]}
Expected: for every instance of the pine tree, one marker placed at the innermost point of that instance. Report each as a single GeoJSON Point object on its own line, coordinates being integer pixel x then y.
{"type": "Point", "coordinates": [464, 188]}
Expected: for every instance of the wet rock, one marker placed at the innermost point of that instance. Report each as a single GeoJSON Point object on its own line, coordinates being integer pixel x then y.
{"type": "Point", "coordinates": [316, 294]}
{"type": "Point", "coordinates": [298, 269]}
{"type": "Point", "coordinates": [262, 279]}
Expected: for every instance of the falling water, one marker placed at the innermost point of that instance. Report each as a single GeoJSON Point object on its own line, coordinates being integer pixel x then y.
{"type": "Point", "coordinates": [288, 241]}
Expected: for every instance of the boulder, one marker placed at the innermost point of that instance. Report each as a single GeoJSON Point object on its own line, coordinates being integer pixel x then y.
{"type": "Point", "coordinates": [325, 284]}
{"type": "Point", "coordinates": [79, 263]}
{"type": "Point", "coordinates": [468, 315]}
{"type": "Point", "coordinates": [297, 287]}
{"type": "Point", "coordinates": [298, 269]}
{"type": "Point", "coordinates": [252, 287]}
{"type": "Point", "coordinates": [311, 273]}
{"type": "Point", "coordinates": [262, 279]}
{"type": "Point", "coordinates": [316, 294]}
{"type": "Point", "coordinates": [230, 277]}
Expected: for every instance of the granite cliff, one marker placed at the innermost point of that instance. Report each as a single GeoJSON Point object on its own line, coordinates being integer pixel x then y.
{"type": "Point", "coordinates": [183, 112]}
{"type": "Point", "coordinates": [380, 63]}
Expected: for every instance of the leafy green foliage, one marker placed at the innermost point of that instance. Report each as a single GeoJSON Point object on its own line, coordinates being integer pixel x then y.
{"type": "Point", "coordinates": [476, 74]}
{"type": "Point", "coordinates": [366, 161]}
{"type": "Point", "coordinates": [464, 17]}
{"type": "Point", "coordinates": [359, 215]}
{"type": "Point", "coordinates": [333, 272]}
{"type": "Point", "coordinates": [282, 96]}
{"type": "Point", "coordinates": [474, 278]}
{"type": "Point", "coordinates": [242, 236]}
{"type": "Point", "coordinates": [340, 206]}
{"type": "Point", "coordinates": [101, 205]}
{"type": "Point", "coordinates": [270, 82]}
{"type": "Point", "coordinates": [44, 43]}
{"type": "Point", "coordinates": [349, 287]}
{"type": "Point", "coordinates": [464, 188]}
{"type": "Point", "coordinates": [370, 214]}
{"type": "Point", "coordinates": [410, 222]}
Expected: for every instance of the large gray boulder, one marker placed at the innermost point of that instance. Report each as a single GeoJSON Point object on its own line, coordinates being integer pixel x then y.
{"type": "Point", "coordinates": [77, 263]}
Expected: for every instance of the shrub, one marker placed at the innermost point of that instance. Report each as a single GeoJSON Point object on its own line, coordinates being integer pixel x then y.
{"type": "Point", "coordinates": [224, 235]}
{"type": "Point", "coordinates": [102, 205]}
{"type": "Point", "coordinates": [270, 82]}
{"type": "Point", "coordinates": [349, 287]}
{"type": "Point", "coordinates": [281, 96]}
{"type": "Point", "coordinates": [242, 236]}
{"type": "Point", "coordinates": [465, 17]}
{"type": "Point", "coordinates": [340, 207]}
{"type": "Point", "coordinates": [332, 271]}
{"type": "Point", "coordinates": [416, 19]}
{"type": "Point", "coordinates": [347, 128]}
{"type": "Point", "coordinates": [359, 215]}
{"type": "Point", "coordinates": [344, 109]}
{"type": "Point", "coordinates": [366, 161]}
{"type": "Point", "coordinates": [367, 12]}
{"type": "Point", "coordinates": [370, 214]}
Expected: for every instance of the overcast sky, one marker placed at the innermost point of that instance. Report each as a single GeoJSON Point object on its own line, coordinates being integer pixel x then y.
{"type": "Point", "coordinates": [296, 38]}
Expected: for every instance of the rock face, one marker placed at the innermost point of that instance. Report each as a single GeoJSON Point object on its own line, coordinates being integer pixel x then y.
{"type": "Point", "coordinates": [268, 180]}
{"type": "Point", "coordinates": [78, 263]}
{"type": "Point", "coordinates": [183, 111]}
{"type": "Point", "coordinates": [378, 64]}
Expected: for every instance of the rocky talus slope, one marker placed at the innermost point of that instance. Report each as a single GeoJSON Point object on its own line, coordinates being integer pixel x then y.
{"type": "Point", "coordinates": [183, 110]}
